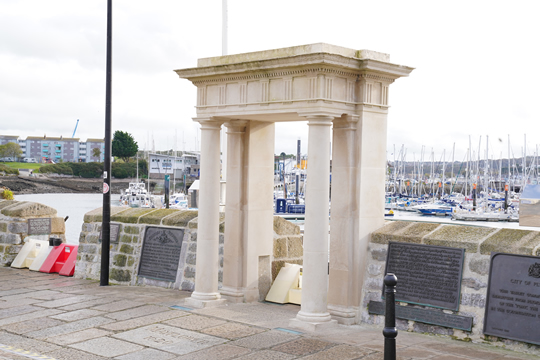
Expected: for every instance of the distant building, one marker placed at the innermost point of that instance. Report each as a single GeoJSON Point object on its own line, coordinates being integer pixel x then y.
{"type": "Point", "coordinates": [92, 144]}
{"type": "Point", "coordinates": [58, 149]}
{"type": "Point", "coordinates": [176, 166]}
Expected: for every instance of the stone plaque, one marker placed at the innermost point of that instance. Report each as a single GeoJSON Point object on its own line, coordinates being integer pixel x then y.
{"type": "Point", "coordinates": [427, 275]}
{"type": "Point", "coordinates": [432, 317]}
{"type": "Point", "coordinates": [39, 226]}
{"type": "Point", "coordinates": [171, 339]}
{"type": "Point", "coordinates": [161, 253]}
{"type": "Point", "coordinates": [513, 298]}
{"type": "Point", "coordinates": [113, 235]}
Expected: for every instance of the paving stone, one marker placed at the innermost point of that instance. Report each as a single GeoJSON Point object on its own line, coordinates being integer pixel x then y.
{"type": "Point", "coordinates": [170, 339]}
{"type": "Point", "coordinates": [44, 295]}
{"type": "Point", "coordinates": [195, 322]}
{"type": "Point", "coordinates": [88, 304]}
{"type": "Point", "coordinates": [267, 355]}
{"type": "Point", "coordinates": [73, 354]}
{"type": "Point", "coordinates": [302, 346]}
{"type": "Point", "coordinates": [78, 336]}
{"type": "Point", "coordinates": [34, 345]}
{"type": "Point", "coordinates": [438, 357]}
{"type": "Point", "coordinates": [136, 312]}
{"type": "Point", "coordinates": [69, 327]}
{"type": "Point", "coordinates": [32, 325]}
{"type": "Point", "coordinates": [29, 316]}
{"type": "Point", "coordinates": [144, 320]}
{"type": "Point", "coordinates": [118, 305]}
{"type": "Point", "coordinates": [66, 301]}
{"type": "Point", "coordinates": [265, 340]}
{"type": "Point", "coordinates": [20, 302]}
{"type": "Point", "coordinates": [77, 315]}
{"type": "Point", "coordinates": [341, 352]}
{"type": "Point", "coordinates": [380, 356]}
{"type": "Point", "coordinates": [14, 311]}
{"type": "Point", "coordinates": [416, 353]}
{"type": "Point", "coordinates": [13, 292]}
{"type": "Point", "coordinates": [221, 352]}
{"type": "Point", "coordinates": [449, 348]}
{"type": "Point", "coordinates": [107, 347]}
{"type": "Point", "coordinates": [147, 354]}
{"type": "Point", "coordinates": [232, 331]}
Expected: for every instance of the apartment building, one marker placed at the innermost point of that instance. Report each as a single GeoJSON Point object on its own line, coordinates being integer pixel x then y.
{"type": "Point", "coordinates": [58, 149]}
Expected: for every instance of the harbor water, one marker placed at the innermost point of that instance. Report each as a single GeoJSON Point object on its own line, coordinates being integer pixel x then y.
{"type": "Point", "coordinates": [76, 205]}
{"type": "Point", "coordinates": [72, 205]}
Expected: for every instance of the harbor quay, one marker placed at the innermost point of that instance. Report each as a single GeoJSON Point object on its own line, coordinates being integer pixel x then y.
{"type": "Point", "coordinates": [48, 316]}
{"type": "Point", "coordinates": [238, 281]}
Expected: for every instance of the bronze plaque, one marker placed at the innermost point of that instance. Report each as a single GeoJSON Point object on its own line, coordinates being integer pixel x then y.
{"type": "Point", "coordinates": [432, 317]}
{"type": "Point", "coordinates": [427, 275]}
{"type": "Point", "coordinates": [113, 234]}
{"type": "Point", "coordinates": [513, 298]}
{"type": "Point", "coordinates": [161, 253]}
{"type": "Point", "coordinates": [39, 226]}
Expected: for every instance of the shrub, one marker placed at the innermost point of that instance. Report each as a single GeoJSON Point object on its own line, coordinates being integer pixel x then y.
{"type": "Point", "coordinates": [7, 194]}
{"type": "Point", "coordinates": [8, 170]}
{"type": "Point", "coordinates": [62, 169]}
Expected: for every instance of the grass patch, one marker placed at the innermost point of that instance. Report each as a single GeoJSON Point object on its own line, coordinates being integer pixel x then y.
{"type": "Point", "coordinates": [21, 165]}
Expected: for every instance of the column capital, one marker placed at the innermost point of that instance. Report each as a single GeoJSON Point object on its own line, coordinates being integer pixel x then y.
{"type": "Point", "coordinates": [236, 126]}
{"type": "Point", "coordinates": [209, 123]}
{"type": "Point", "coordinates": [346, 122]}
{"type": "Point", "coordinates": [324, 119]}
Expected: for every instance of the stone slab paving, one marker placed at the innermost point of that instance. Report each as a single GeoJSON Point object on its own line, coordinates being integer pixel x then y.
{"type": "Point", "coordinates": [74, 319]}
{"type": "Point", "coordinates": [107, 347]}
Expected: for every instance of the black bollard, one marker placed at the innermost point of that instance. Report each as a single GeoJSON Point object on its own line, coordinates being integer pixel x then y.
{"type": "Point", "coordinates": [390, 332]}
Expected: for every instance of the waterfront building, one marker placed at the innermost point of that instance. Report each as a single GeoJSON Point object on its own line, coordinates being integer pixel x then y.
{"type": "Point", "coordinates": [176, 166]}
{"type": "Point", "coordinates": [45, 149]}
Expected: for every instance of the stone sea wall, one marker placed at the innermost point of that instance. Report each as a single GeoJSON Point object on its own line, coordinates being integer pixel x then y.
{"type": "Point", "coordinates": [133, 223]}
{"type": "Point", "coordinates": [478, 242]}
{"type": "Point", "coordinates": [14, 217]}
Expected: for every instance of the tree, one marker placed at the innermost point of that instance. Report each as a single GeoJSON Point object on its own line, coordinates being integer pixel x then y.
{"type": "Point", "coordinates": [11, 150]}
{"type": "Point", "coordinates": [123, 145]}
{"type": "Point", "coordinates": [96, 152]}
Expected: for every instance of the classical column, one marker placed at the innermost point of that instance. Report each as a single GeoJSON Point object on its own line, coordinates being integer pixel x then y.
{"type": "Point", "coordinates": [233, 249]}
{"type": "Point", "coordinates": [206, 276]}
{"type": "Point", "coordinates": [313, 314]}
{"type": "Point", "coordinates": [343, 280]}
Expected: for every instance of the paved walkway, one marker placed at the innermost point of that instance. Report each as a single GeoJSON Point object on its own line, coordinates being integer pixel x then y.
{"type": "Point", "coordinates": [46, 316]}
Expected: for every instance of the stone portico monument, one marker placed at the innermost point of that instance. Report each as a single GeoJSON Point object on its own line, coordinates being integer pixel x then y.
{"type": "Point", "coordinates": [326, 86]}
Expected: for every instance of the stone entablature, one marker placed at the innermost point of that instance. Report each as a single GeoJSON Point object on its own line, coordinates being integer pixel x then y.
{"type": "Point", "coordinates": [132, 222]}
{"type": "Point", "coordinates": [14, 217]}
{"type": "Point", "coordinates": [314, 78]}
{"type": "Point", "coordinates": [478, 242]}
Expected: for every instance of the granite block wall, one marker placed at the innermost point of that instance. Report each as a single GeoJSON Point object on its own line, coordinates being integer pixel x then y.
{"type": "Point", "coordinates": [14, 217]}
{"type": "Point", "coordinates": [478, 242]}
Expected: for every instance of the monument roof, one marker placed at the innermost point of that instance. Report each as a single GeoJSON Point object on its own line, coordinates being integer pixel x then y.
{"type": "Point", "coordinates": [293, 51]}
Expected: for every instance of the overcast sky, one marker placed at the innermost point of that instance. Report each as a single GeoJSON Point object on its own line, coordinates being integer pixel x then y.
{"type": "Point", "coordinates": [476, 66]}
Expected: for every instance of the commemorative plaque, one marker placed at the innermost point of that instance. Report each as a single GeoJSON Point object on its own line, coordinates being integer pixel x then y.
{"type": "Point", "coordinates": [513, 298]}
{"type": "Point", "coordinates": [39, 226]}
{"type": "Point", "coordinates": [432, 317]}
{"type": "Point", "coordinates": [160, 253]}
{"type": "Point", "coordinates": [427, 275]}
{"type": "Point", "coordinates": [113, 235]}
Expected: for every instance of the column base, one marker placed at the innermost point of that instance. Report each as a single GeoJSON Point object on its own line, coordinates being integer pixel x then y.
{"type": "Point", "coordinates": [240, 295]}
{"type": "Point", "coordinates": [312, 327]}
{"type": "Point", "coordinates": [343, 314]}
{"type": "Point", "coordinates": [203, 300]}
{"type": "Point", "coordinates": [312, 322]}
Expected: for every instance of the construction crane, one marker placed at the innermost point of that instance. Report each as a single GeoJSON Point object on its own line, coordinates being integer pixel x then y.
{"type": "Point", "coordinates": [74, 131]}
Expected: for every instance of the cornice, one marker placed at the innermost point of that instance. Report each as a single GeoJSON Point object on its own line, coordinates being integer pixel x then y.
{"type": "Point", "coordinates": [297, 64]}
